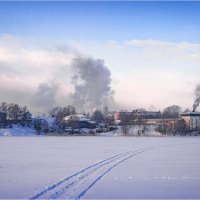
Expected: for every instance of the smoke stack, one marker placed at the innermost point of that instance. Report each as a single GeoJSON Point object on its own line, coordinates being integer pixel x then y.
{"type": "Point", "coordinates": [197, 101]}
{"type": "Point", "coordinates": [196, 104]}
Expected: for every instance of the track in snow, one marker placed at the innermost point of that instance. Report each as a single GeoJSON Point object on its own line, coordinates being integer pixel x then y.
{"type": "Point", "coordinates": [76, 185]}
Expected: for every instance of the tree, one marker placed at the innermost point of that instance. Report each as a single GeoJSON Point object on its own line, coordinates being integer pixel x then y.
{"type": "Point", "coordinates": [167, 127]}
{"type": "Point", "coordinates": [46, 128]}
{"type": "Point", "coordinates": [181, 127]}
{"type": "Point", "coordinates": [98, 116]}
{"type": "Point", "coordinates": [4, 106]}
{"type": "Point", "coordinates": [171, 112]}
{"type": "Point", "coordinates": [61, 112]}
{"type": "Point", "coordinates": [13, 111]}
{"type": "Point", "coordinates": [38, 126]}
{"type": "Point", "coordinates": [126, 119]}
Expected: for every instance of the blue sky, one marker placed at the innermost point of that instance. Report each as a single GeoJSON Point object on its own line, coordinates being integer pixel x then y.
{"type": "Point", "coordinates": [168, 21]}
{"type": "Point", "coordinates": [151, 48]}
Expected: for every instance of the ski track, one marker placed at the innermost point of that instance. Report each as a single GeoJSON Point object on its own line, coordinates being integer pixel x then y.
{"type": "Point", "coordinates": [76, 185]}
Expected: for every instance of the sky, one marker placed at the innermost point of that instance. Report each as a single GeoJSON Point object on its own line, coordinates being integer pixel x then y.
{"type": "Point", "coordinates": [152, 50]}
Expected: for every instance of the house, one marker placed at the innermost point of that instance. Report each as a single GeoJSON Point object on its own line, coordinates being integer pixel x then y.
{"type": "Point", "coordinates": [2, 119]}
{"type": "Point", "coordinates": [77, 124]}
{"type": "Point", "coordinates": [150, 115]}
{"type": "Point", "coordinates": [47, 124]}
{"type": "Point", "coordinates": [192, 120]}
{"type": "Point", "coordinates": [121, 114]}
{"type": "Point", "coordinates": [76, 117]}
{"type": "Point", "coordinates": [78, 121]}
{"type": "Point", "coordinates": [24, 118]}
{"type": "Point", "coordinates": [27, 117]}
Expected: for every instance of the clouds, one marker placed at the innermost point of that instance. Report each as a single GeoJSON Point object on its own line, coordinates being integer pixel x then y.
{"type": "Point", "coordinates": [32, 69]}
{"type": "Point", "coordinates": [150, 72]}
{"type": "Point", "coordinates": [21, 57]}
{"type": "Point", "coordinates": [44, 74]}
{"type": "Point", "coordinates": [144, 72]}
{"type": "Point", "coordinates": [154, 49]}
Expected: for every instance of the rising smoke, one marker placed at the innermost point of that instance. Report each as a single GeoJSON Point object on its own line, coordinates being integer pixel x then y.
{"type": "Point", "coordinates": [92, 80]}
{"type": "Point", "coordinates": [197, 100]}
{"type": "Point", "coordinates": [44, 97]}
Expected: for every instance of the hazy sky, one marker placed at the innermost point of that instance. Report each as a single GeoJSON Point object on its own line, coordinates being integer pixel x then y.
{"type": "Point", "coordinates": [152, 50]}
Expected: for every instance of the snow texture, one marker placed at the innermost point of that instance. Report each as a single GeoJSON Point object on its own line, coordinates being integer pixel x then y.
{"type": "Point", "coordinates": [17, 131]}
{"type": "Point", "coordinates": [99, 167]}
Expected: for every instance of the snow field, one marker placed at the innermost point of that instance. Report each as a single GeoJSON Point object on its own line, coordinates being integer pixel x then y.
{"type": "Point", "coordinates": [103, 167]}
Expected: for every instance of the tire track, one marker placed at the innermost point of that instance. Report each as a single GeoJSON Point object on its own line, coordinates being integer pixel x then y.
{"type": "Point", "coordinates": [107, 171]}
{"type": "Point", "coordinates": [76, 185]}
{"type": "Point", "coordinates": [82, 178]}
{"type": "Point", "coordinates": [48, 188]}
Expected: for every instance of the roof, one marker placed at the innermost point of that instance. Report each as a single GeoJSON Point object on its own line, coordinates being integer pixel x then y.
{"type": "Point", "coordinates": [79, 117]}
{"type": "Point", "coordinates": [49, 120]}
{"type": "Point", "coordinates": [191, 114]}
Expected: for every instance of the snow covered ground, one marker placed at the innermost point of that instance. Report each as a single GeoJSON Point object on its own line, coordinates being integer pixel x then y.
{"type": "Point", "coordinates": [17, 131]}
{"type": "Point", "coordinates": [99, 167]}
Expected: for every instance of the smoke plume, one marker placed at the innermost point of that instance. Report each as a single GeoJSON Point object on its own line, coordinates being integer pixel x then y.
{"type": "Point", "coordinates": [91, 81]}
{"type": "Point", "coordinates": [197, 101]}
{"type": "Point", "coordinates": [44, 97]}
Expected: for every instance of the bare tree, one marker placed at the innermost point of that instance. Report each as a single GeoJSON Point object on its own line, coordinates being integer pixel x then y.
{"type": "Point", "coordinates": [126, 123]}
{"type": "Point", "coordinates": [98, 116]}
{"type": "Point", "coordinates": [171, 111]}
{"type": "Point", "coordinates": [61, 112]}
{"type": "Point", "coordinates": [3, 106]}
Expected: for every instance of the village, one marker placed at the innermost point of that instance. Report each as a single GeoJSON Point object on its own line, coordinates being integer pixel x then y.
{"type": "Point", "coordinates": [66, 121]}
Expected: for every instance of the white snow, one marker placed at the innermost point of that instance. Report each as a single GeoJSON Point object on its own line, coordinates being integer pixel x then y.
{"type": "Point", "coordinates": [17, 131]}
{"type": "Point", "coordinates": [133, 131]}
{"type": "Point", "coordinates": [138, 167]}
{"type": "Point", "coordinates": [80, 117]}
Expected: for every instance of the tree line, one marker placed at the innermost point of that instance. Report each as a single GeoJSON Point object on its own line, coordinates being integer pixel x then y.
{"type": "Point", "coordinates": [12, 110]}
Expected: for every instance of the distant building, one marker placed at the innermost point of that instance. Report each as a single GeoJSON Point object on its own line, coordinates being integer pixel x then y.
{"type": "Point", "coordinates": [119, 115]}
{"type": "Point", "coordinates": [46, 122]}
{"type": "Point", "coordinates": [24, 117]}
{"type": "Point", "coordinates": [27, 117]}
{"type": "Point", "coordinates": [2, 119]}
{"type": "Point", "coordinates": [150, 114]}
{"type": "Point", "coordinates": [137, 114]}
{"type": "Point", "coordinates": [77, 117]}
{"type": "Point", "coordinates": [192, 119]}
{"type": "Point", "coordinates": [78, 121]}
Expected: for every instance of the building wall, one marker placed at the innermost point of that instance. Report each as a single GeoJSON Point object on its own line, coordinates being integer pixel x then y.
{"type": "Point", "coordinates": [195, 122]}
{"type": "Point", "coordinates": [187, 120]}
{"type": "Point", "coordinates": [2, 119]}
{"type": "Point", "coordinates": [192, 121]}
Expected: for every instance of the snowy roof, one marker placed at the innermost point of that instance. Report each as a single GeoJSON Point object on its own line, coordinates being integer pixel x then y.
{"type": "Point", "coordinates": [49, 120]}
{"type": "Point", "coordinates": [80, 117]}
{"type": "Point", "coordinates": [91, 122]}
